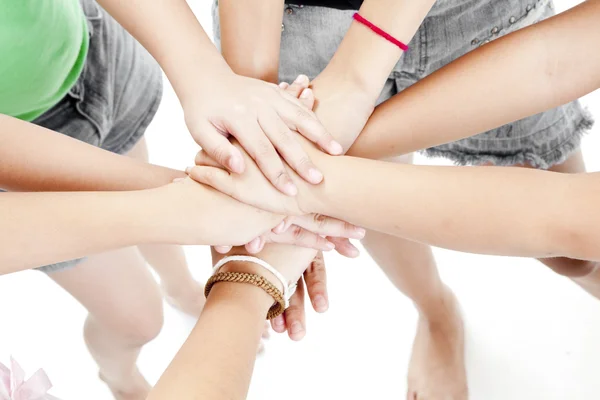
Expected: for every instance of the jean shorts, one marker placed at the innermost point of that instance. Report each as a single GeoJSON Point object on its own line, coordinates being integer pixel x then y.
{"type": "Point", "coordinates": [116, 96]}
{"type": "Point", "coordinates": [311, 35]}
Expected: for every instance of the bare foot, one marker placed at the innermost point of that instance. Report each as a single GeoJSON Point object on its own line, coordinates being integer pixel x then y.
{"type": "Point", "coordinates": [437, 365]}
{"type": "Point", "coordinates": [188, 300]}
{"type": "Point", "coordinates": [137, 389]}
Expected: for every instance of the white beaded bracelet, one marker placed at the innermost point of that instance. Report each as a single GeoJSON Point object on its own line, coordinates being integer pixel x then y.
{"type": "Point", "coordinates": [288, 288]}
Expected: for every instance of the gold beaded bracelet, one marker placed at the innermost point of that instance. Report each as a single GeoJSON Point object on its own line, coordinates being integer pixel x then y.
{"type": "Point", "coordinates": [254, 279]}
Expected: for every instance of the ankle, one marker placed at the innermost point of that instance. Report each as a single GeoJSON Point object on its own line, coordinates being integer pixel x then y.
{"type": "Point", "coordinates": [439, 308]}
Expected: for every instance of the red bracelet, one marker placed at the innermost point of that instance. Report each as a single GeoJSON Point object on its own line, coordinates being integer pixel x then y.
{"type": "Point", "coordinates": [359, 18]}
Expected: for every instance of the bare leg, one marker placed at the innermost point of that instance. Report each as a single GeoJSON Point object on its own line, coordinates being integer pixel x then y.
{"type": "Point", "coordinates": [125, 312]}
{"type": "Point", "coordinates": [180, 289]}
{"type": "Point", "coordinates": [436, 369]}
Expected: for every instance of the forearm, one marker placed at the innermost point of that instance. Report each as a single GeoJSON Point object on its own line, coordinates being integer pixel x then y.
{"type": "Point", "coordinates": [43, 228]}
{"type": "Point", "coordinates": [524, 73]}
{"type": "Point", "coordinates": [175, 38]}
{"type": "Point", "coordinates": [502, 211]}
{"type": "Point", "coordinates": [33, 159]}
{"type": "Point", "coordinates": [251, 37]}
{"type": "Point", "coordinates": [217, 360]}
{"type": "Point", "coordinates": [367, 59]}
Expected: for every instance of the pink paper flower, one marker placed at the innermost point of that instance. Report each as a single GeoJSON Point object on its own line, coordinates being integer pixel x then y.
{"type": "Point", "coordinates": [13, 385]}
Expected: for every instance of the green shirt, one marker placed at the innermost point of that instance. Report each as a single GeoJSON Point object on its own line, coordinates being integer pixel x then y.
{"type": "Point", "coordinates": [43, 46]}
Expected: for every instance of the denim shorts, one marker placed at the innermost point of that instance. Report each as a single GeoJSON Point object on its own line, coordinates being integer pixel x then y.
{"type": "Point", "coordinates": [311, 35]}
{"type": "Point", "coordinates": [116, 96]}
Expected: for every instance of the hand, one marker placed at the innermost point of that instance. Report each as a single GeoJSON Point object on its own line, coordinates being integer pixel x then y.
{"type": "Point", "coordinates": [342, 106]}
{"type": "Point", "coordinates": [181, 201]}
{"type": "Point", "coordinates": [293, 320]}
{"type": "Point", "coordinates": [251, 187]}
{"type": "Point", "coordinates": [312, 231]}
{"type": "Point", "coordinates": [259, 115]}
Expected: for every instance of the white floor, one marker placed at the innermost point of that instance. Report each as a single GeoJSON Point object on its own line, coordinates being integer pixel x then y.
{"type": "Point", "coordinates": [531, 335]}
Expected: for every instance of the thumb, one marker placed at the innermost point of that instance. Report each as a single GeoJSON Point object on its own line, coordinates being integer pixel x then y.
{"type": "Point", "coordinates": [216, 178]}
{"type": "Point", "coordinates": [218, 147]}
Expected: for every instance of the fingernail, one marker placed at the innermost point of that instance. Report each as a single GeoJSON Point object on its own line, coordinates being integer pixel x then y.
{"type": "Point", "coordinates": [284, 85]}
{"type": "Point", "coordinates": [359, 233]}
{"type": "Point", "coordinates": [329, 246]}
{"type": "Point", "coordinates": [176, 180]}
{"type": "Point", "coordinates": [354, 253]}
{"type": "Point", "coordinates": [188, 170]}
{"type": "Point", "coordinates": [336, 148]}
{"type": "Point", "coordinates": [301, 79]}
{"type": "Point", "coordinates": [305, 94]}
{"type": "Point", "coordinates": [320, 304]}
{"type": "Point", "coordinates": [236, 164]}
{"type": "Point", "coordinates": [279, 228]}
{"type": "Point", "coordinates": [315, 175]}
{"type": "Point", "coordinates": [278, 321]}
{"type": "Point", "coordinates": [296, 328]}
{"type": "Point", "coordinates": [290, 189]}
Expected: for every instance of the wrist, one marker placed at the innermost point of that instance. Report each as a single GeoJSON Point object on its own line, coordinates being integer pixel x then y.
{"type": "Point", "coordinates": [251, 298]}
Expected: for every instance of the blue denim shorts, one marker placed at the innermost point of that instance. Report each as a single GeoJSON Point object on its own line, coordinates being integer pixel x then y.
{"type": "Point", "coordinates": [310, 36]}
{"type": "Point", "coordinates": [116, 96]}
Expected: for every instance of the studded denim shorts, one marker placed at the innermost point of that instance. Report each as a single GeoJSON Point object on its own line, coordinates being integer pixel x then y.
{"type": "Point", "coordinates": [116, 96]}
{"type": "Point", "coordinates": [310, 36]}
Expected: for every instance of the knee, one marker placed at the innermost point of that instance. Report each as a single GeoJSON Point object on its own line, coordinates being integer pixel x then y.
{"type": "Point", "coordinates": [569, 267]}
{"type": "Point", "coordinates": [134, 326]}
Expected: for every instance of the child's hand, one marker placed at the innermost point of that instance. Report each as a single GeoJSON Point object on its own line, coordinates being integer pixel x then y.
{"type": "Point", "coordinates": [259, 115]}
{"type": "Point", "coordinates": [251, 187]}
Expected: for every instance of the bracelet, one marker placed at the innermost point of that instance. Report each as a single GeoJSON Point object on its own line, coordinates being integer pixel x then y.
{"type": "Point", "coordinates": [359, 18]}
{"type": "Point", "coordinates": [288, 288]}
{"type": "Point", "coordinates": [239, 277]}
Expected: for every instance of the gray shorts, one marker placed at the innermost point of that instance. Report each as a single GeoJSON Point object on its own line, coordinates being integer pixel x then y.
{"type": "Point", "coordinates": [116, 96]}
{"type": "Point", "coordinates": [310, 36]}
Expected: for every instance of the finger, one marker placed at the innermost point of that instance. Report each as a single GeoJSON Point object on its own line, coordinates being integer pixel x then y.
{"type": "Point", "coordinates": [202, 158]}
{"type": "Point", "coordinates": [344, 247]}
{"type": "Point", "coordinates": [219, 148]}
{"type": "Point", "coordinates": [307, 97]}
{"type": "Point", "coordinates": [327, 226]}
{"type": "Point", "coordinates": [222, 249]}
{"type": "Point", "coordinates": [278, 324]}
{"type": "Point", "coordinates": [301, 237]}
{"type": "Point", "coordinates": [258, 146]}
{"type": "Point", "coordinates": [216, 178]}
{"type": "Point", "coordinates": [256, 245]}
{"type": "Point", "coordinates": [295, 316]}
{"type": "Point", "coordinates": [284, 85]}
{"type": "Point", "coordinates": [296, 88]}
{"type": "Point", "coordinates": [279, 228]}
{"type": "Point", "coordinates": [298, 118]}
{"type": "Point", "coordinates": [288, 147]}
{"type": "Point", "coordinates": [315, 277]}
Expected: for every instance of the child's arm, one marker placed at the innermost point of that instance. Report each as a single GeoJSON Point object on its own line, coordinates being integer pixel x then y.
{"type": "Point", "coordinates": [43, 228]}
{"type": "Point", "coordinates": [251, 37]}
{"type": "Point", "coordinates": [526, 72]}
{"type": "Point", "coordinates": [471, 209]}
{"type": "Point", "coordinates": [217, 359]}
{"type": "Point", "coordinates": [216, 101]}
{"type": "Point", "coordinates": [33, 158]}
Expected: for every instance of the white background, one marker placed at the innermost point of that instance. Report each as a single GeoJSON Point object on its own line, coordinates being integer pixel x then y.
{"type": "Point", "coordinates": [530, 334]}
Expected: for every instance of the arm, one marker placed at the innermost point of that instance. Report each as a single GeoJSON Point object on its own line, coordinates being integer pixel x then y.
{"type": "Point", "coordinates": [471, 209]}
{"type": "Point", "coordinates": [32, 158]}
{"type": "Point", "coordinates": [251, 37]}
{"type": "Point", "coordinates": [217, 102]}
{"type": "Point", "coordinates": [52, 227]}
{"type": "Point", "coordinates": [217, 360]}
{"type": "Point", "coordinates": [526, 72]}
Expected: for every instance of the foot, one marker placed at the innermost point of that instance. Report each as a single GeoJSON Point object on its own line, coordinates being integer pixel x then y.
{"type": "Point", "coordinates": [136, 389]}
{"type": "Point", "coordinates": [437, 365]}
{"type": "Point", "coordinates": [189, 300]}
